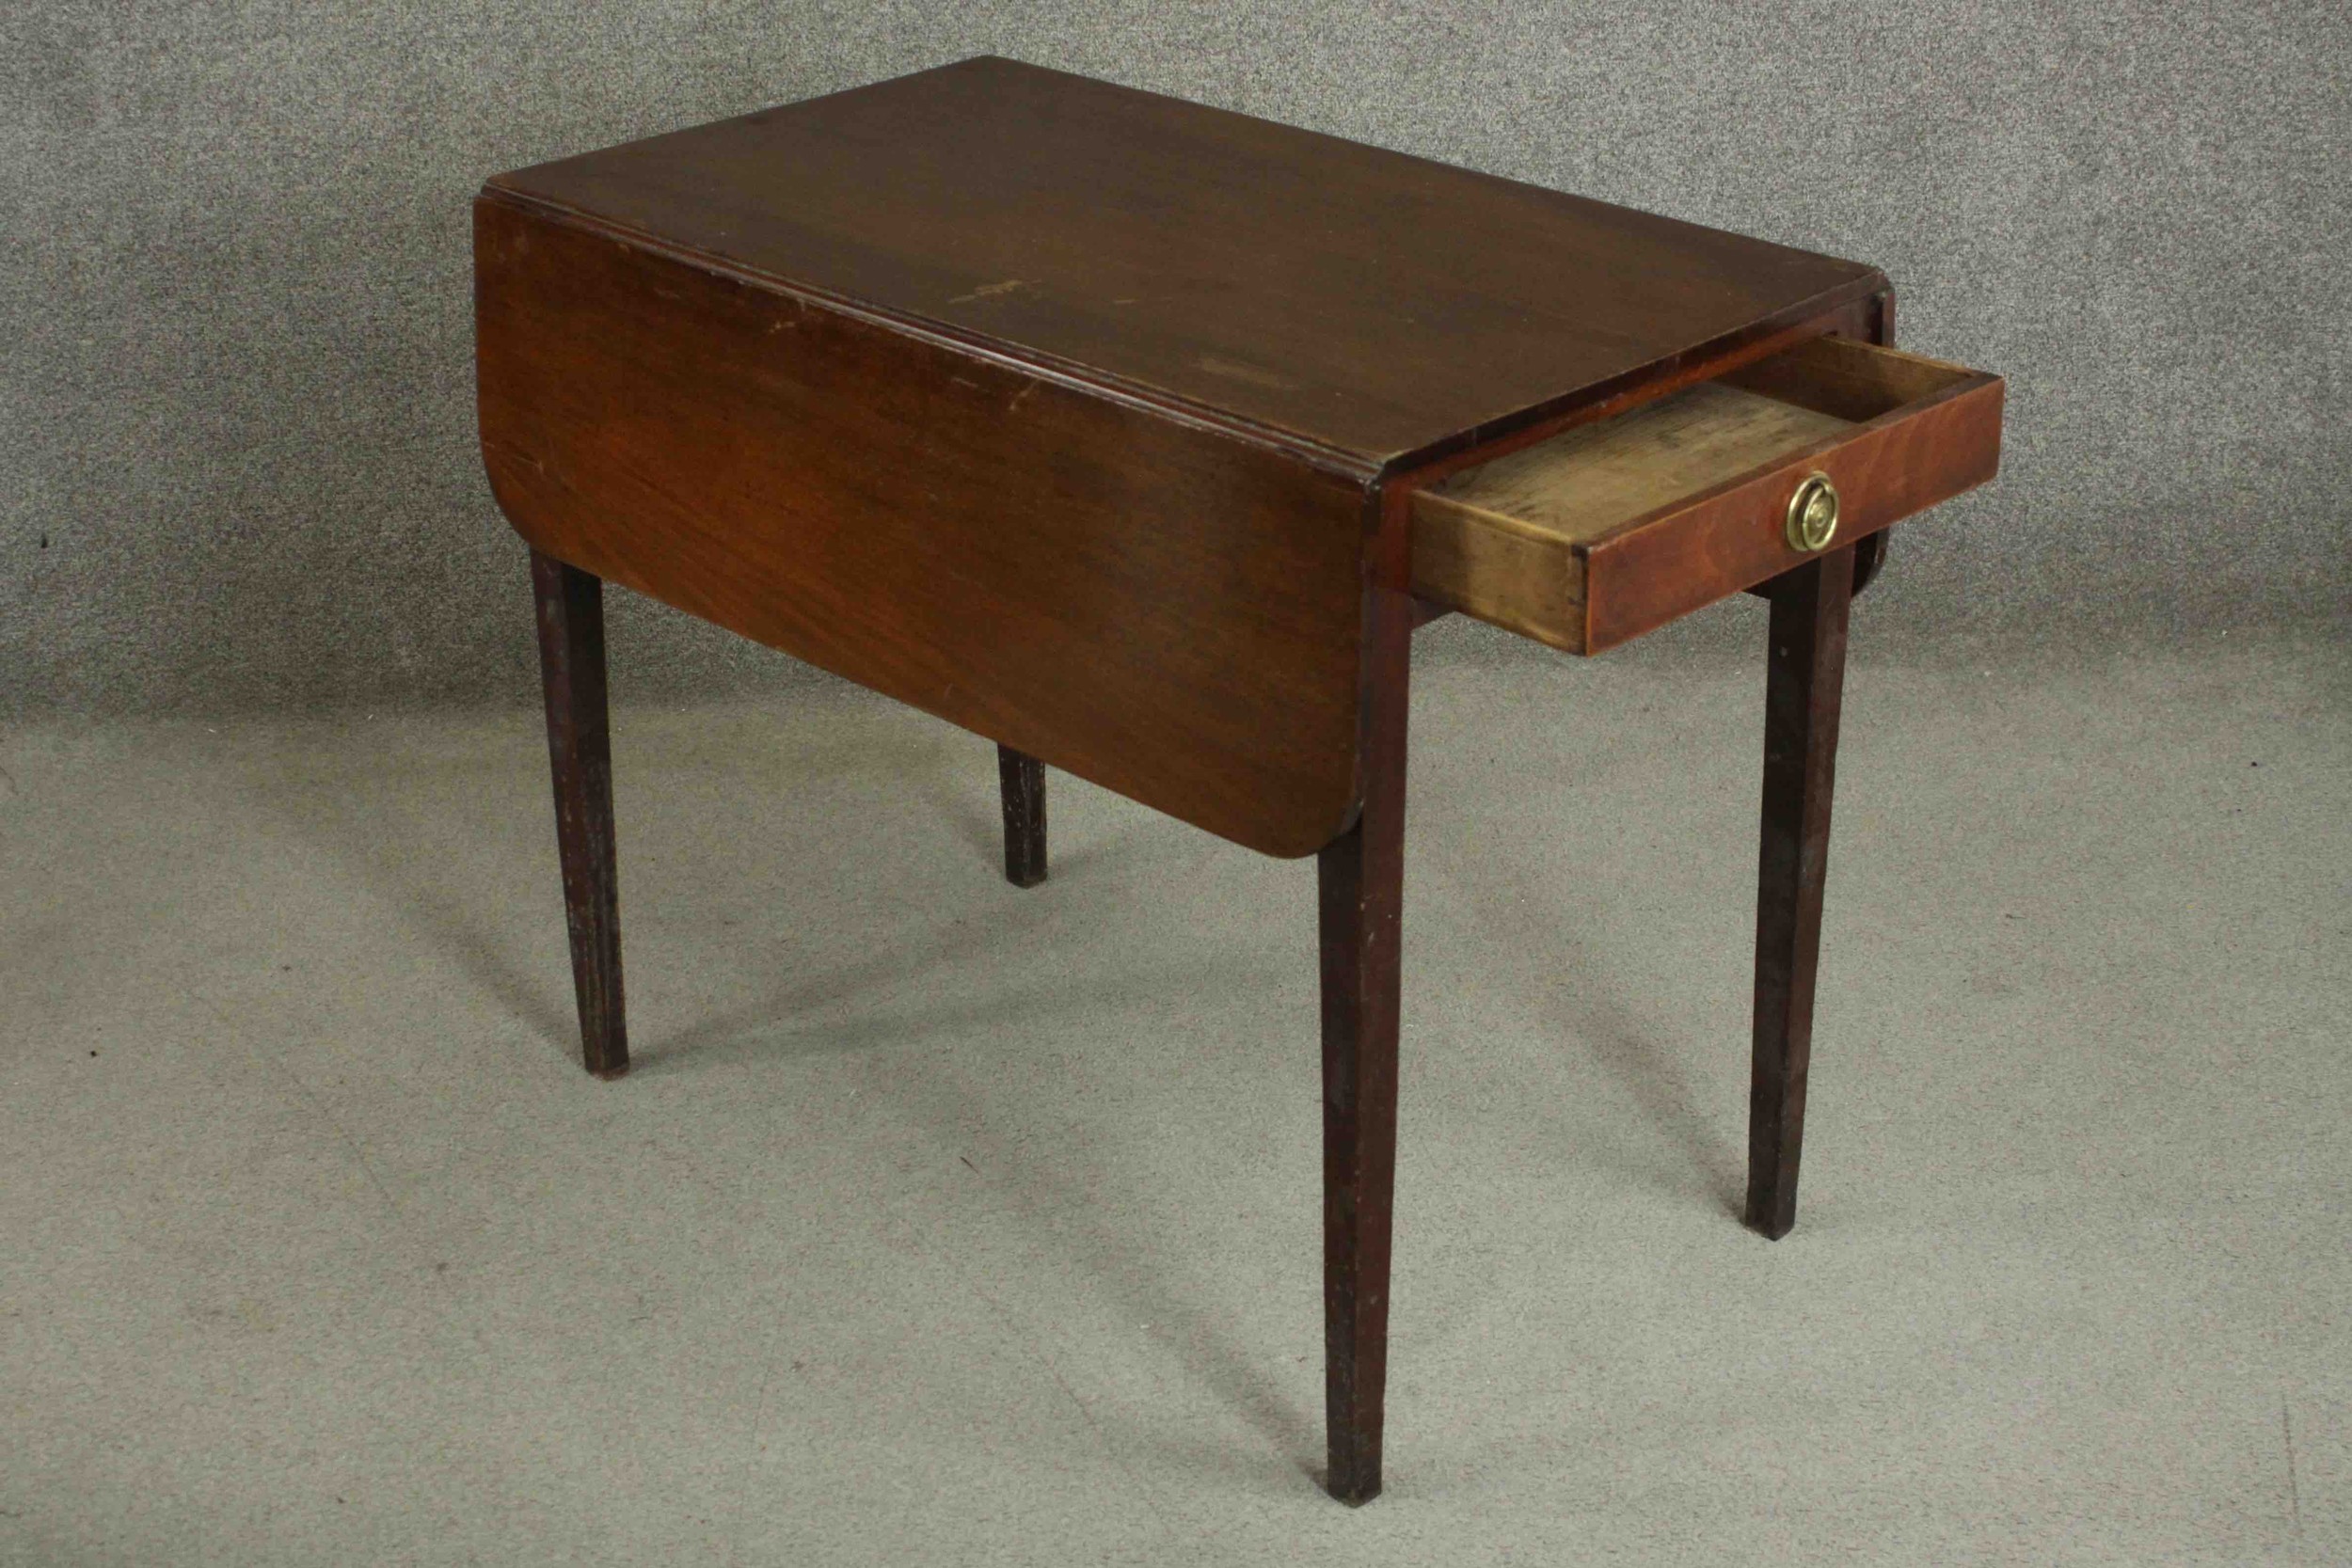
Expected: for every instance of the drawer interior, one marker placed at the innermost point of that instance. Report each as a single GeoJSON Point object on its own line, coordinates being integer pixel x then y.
{"type": "Point", "coordinates": [1512, 541]}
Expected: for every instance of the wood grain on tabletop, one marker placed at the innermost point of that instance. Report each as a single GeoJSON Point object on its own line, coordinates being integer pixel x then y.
{"type": "Point", "coordinates": [1349, 298]}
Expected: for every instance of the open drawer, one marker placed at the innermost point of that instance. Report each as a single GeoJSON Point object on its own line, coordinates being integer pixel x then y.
{"type": "Point", "coordinates": [1611, 529]}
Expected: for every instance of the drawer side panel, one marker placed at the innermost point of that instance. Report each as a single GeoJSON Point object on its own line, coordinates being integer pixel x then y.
{"type": "Point", "coordinates": [1523, 580]}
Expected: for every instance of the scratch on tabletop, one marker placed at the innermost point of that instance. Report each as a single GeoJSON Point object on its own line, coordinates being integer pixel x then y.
{"type": "Point", "coordinates": [990, 291]}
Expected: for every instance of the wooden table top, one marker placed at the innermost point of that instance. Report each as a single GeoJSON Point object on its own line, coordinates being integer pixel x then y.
{"type": "Point", "coordinates": [1134, 436]}
{"type": "Point", "coordinates": [1123, 431]}
{"type": "Point", "coordinates": [1361, 307]}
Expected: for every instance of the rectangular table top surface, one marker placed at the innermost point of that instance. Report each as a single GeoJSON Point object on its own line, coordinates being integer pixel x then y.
{"type": "Point", "coordinates": [1361, 305]}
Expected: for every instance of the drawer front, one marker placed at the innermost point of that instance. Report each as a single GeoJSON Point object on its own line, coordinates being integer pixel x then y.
{"type": "Point", "coordinates": [1613, 529]}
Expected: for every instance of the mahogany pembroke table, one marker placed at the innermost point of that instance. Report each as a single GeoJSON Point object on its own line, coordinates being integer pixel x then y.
{"type": "Point", "coordinates": [1137, 436]}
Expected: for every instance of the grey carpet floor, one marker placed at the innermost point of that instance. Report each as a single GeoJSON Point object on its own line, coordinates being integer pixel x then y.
{"type": "Point", "coordinates": [946, 1223]}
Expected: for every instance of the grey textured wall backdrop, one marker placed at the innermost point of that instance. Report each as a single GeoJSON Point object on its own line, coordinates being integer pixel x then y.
{"type": "Point", "coordinates": [238, 465]}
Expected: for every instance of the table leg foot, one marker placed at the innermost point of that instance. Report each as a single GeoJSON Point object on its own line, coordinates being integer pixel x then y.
{"type": "Point", "coordinates": [1023, 779]}
{"type": "Point", "coordinates": [579, 753]}
{"type": "Point", "coordinates": [1805, 677]}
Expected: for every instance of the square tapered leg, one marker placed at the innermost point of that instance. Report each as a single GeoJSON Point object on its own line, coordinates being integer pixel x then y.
{"type": "Point", "coordinates": [579, 753]}
{"type": "Point", "coordinates": [1805, 677]}
{"type": "Point", "coordinates": [1360, 885]}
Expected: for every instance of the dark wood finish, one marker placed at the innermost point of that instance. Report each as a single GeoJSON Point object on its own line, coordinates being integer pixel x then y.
{"type": "Point", "coordinates": [1900, 463]}
{"type": "Point", "coordinates": [1869, 551]}
{"type": "Point", "coordinates": [1616, 526]}
{"type": "Point", "coordinates": [1804, 675]}
{"type": "Point", "coordinates": [1869, 559]}
{"type": "Point", "coordinates": [580, 755]}
{"type": "Point", "coordinates": [1363, 302]}
{"type": "Point", "coordinates": [1872, 322]}
{"type": "Point", "coordinates": [1021, 779]}
{"type": "Point", "coordinates": [1849, 379]}
{"type": "Point", "coordinates": [1166, 610]}
{"type": "Point", "coordinates": [1360, 891]}
{"type": "Point", "coordinates": [931, 382]}
{"type": "Point", "coordinates": [1092, 420]}
{"type": "Point", "coordinates": [1506, 541]}
{"type": "Point", "coordinates": [1788, 915]}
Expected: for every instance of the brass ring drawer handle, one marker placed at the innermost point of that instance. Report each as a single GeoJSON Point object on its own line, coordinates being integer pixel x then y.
{"type": "Point", "coordinates": [1813, 513]}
